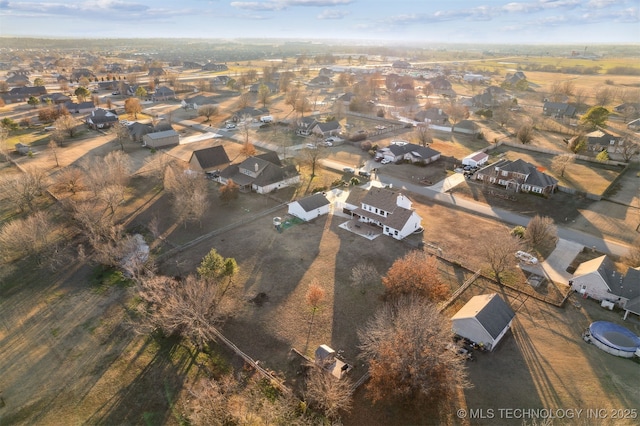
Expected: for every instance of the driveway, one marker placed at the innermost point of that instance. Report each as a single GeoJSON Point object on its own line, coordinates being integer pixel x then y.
{"type": "Point", "coordinates": [555, 266]}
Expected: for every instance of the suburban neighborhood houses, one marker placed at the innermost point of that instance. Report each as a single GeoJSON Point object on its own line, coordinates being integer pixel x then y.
{"type": "Point", "coordinates": [369, 234]}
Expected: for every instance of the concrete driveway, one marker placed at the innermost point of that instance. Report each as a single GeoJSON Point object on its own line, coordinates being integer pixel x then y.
{"type": "Point", "coordinates": [555, 266]}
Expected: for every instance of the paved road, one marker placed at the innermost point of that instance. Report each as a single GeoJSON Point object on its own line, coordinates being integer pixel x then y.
{"type": "Point", "coordinates": [438, 193]}
{"type": "Point", "coordinates": [435, 192]}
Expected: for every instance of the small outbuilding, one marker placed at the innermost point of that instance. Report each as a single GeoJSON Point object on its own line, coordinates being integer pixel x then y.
{"type": "Point", "coordinates": [309, 208]}
{"type": "Point", "coordinates": [484, 320]}
{"type": "Point", "coordinates": [476, 159]}
{"type": "Point", "coordinates": [161, 139]}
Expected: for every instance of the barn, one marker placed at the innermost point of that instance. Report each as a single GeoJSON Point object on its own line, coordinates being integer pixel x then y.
{"type": "Point", "coordinates": [484, 320]}
{"type": "Point", "coordinates": [310, 207]}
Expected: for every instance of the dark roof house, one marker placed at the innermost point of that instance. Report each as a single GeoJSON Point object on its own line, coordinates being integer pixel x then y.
{"type": "Point", "coordinates": [209, 159]}
{"type": "Point", "coordinates": [518, 176]}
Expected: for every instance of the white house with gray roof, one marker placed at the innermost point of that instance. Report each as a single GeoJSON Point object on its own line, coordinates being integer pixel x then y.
{"type": "Point", "coordinates": [401, 150]}
{"type": "Point", "coordinates": [484, 320]}
{"type": "Point", "coordinates": [598, 279]}
{"type": "Point", "coordinates": [310, 207]}
{"type": "Point", "coordinates": [390, 210]}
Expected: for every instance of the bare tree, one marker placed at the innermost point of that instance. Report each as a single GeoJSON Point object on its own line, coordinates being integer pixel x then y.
{"type": "Point", "coordinates": [328, 394]}
{"type": "Point", "coordinates": [311, 157]}
{"type": "Point", "coordinates": [244, 126]}
{"type": "Point", "coordinates": [628, 147]}
{"type": "Point", "coordinates": [157, 164]}
{"type": "Point", "coordinates": [502, 113]}
{"type": "Point", "coordinates": [264, 93]}
{"type": "Point", "coordinates": [114, 169]}
{"type": "Point", "coordinates": [53, 147]}
{"type": "Point", "coordinates": [423, 134]}
{"type": "Point", "coordinates": [22, 189]}
{"type": "Point", "coordinates": [66, 124]}
{"type": "Point", "coordinates": [604, 95]}
{"type": "Point", "coordinates": [188, 191]}
{"type": "Point", "coordinates": [208, 111]}
{"type": "Point", "coordinates": [416, 273]}
{"type": "Point", "coordinates": [364, 275]}
{"type": "Point", "coordinates": [122, 134]}
{"type": "Point", "coordinates": [30, 236]}
{"type": "Point", "coordinates": [406, 345]}
{"type": "Point", "coordinates": [188, 308]}
{"type": "Point", "coordinates": [499, 250]}
{"type": "Point", "coordinates": [209, 402]}
{"type": "Point", "coordinates": [69, 179]}
{"type": "Point", "coordinates": [457, 112]}
{"type": "Point", "coordinates": [4, 146]}
{"type": "Point", "coordinates": [244, 100]}
{"type": "Point", "coordinates": [525, 133]}
{"type": "Point", "coordinates": [560, 163]}
{"type": "Point", "coordinates": [541, 232]}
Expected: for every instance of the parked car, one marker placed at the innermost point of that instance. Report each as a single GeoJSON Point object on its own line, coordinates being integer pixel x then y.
{"type": "Point", "coordinates": [385, 161]}
{"type": "Point", "coordinates": [230, 126]}
{"type": "Point", "coordinates": [364, 173]}
{"type": "Point", "coordinates": [349, 170]}
{"type": "Point", "coordinates": [311, 146]}
{"type": "Point", "coordinates": [327, 143]}
{"type": "Point", "coordinates": [526, 257]}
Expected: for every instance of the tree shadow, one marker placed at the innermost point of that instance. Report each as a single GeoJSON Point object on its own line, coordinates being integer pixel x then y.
{"type": "Point", "coordinates": [149, 398]}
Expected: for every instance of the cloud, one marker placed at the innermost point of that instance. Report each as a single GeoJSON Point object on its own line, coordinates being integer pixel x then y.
{"type": "Point", "coordinates": [275, 5]}
{"type": "Point", "coordinates": [333, 14]}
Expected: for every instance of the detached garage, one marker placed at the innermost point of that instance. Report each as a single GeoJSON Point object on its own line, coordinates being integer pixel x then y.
{"type": "Point", "coordinates": [310, 207]}
{"type": "Point", "coordinates": [485, 319]}
{"type": "Point", "coordinates": [161, 139]}
{"type": "Point", "coordinates": [476, 159]}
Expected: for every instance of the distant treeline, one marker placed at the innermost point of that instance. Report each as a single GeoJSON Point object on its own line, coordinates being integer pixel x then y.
{"type": "Point", "coordinates": [576, 69]}
{"type": "Point", "coordinates": [623, 71]}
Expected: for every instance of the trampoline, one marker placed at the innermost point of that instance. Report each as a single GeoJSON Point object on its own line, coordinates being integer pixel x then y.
{"type": "Point", "coordinates": [613, 338]}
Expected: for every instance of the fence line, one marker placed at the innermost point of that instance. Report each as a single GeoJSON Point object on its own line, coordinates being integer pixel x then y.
{"type": "Point", "coordinates": [265, 373]}
{"type": "Point", "coordinates": [442, 306]}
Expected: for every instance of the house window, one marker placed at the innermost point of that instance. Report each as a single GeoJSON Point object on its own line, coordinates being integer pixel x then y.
{"type": "Point", "coordinates": [504, 173]}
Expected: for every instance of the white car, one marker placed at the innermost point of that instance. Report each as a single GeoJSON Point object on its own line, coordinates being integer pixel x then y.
{"type": "Point", "coordinates": [526, 257]}
{"type": "Point", "coordinates": [327, 143]}
{"type": "Point", "coordinates": [385, 161]}
{"type": "Point", "coordinates": [311, 146]}
{"type": "Point", "coordinates": [349, 170]}
{"type": "Point", "coordinates": [230, 126]}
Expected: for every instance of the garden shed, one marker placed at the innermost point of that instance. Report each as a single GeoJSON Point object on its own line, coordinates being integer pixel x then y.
{"type": "Point", "coordinates": [484, 320]}
{"type": "Point", "coordinates": [310, 207]}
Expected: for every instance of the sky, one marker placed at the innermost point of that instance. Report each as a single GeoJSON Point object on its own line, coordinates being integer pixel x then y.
{"type": "Point", "coordinates": [423, 21]}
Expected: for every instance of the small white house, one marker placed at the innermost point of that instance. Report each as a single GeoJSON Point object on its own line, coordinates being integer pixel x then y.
{"type": "Point", "coordinates": [485, 319]}
{"type": "Point", "coordinates": [476, 159]}
{"type": "Point", "coordinates": [310, 207]}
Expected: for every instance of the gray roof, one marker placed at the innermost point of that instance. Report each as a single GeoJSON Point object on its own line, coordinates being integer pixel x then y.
{"type": "Point", "coordinates": [630, 286]}
{"type": "Point", "coordinates": [534, 176]}
{"type": "Point", "coordinates": [313, 202]}
{"type": "Point", "coordinates": [161, 135]}
{"type": "Point", "coordinates": [413, 149]}
{"type": "Point", "coordinates": [559, 108]}
{"type": "Point", "coordinates": [329, 126]}
{"type": "Point", "coordinates": [211, 157]}
{"type": "Point", "coordinates": [491, 312]}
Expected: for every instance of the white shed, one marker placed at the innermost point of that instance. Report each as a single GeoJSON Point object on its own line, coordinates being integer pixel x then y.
{"type": "Point", "coordinates": [476, 159]}
{"type": "Point", "coordinates": [310, 207]}
{"type": "Point", "coordinates": [485, 319]}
